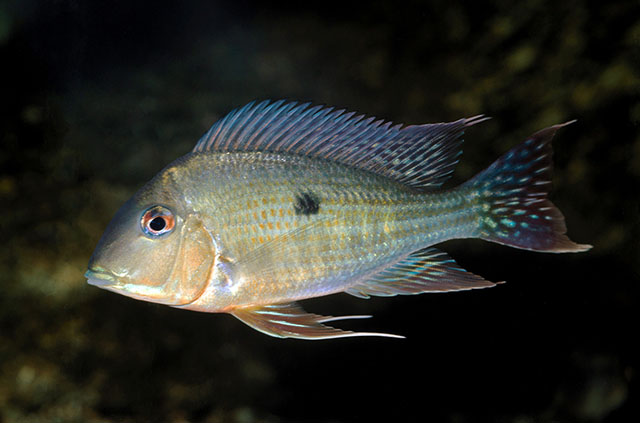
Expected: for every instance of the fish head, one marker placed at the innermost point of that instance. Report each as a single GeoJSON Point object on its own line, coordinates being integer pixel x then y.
{"type": "Point", "coordinates": [154, 249]}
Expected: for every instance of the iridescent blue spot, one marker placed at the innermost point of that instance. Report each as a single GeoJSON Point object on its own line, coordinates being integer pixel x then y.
{"type": "Point", "coordinates": [508, 223]}
{"type": "Point", "coordinates": [533, 216]}
{"type": "Point", "coordinates": [524, 225]}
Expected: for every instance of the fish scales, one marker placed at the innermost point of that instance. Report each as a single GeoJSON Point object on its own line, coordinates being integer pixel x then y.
{"type": "Point", "coordinates": [370, 220]}
{"type": "Point", "coordinates": [280, 202]}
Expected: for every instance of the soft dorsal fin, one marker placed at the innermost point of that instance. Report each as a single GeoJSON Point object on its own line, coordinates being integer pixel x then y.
{"type": "Point", "coordinates": [427, 270]}
{"type": "Point", "coordinates": [420, 156]}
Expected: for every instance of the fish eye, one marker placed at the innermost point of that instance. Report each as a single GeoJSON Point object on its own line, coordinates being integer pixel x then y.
{"type": "Point", "coordinates": [157, 220]}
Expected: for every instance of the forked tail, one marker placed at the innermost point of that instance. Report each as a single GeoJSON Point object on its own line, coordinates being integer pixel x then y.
{"type": "Point", "coordinates": [512, 196]}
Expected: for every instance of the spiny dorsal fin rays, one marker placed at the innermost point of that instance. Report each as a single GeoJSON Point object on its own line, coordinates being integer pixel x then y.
{"type": "Point", "coordinates": [427, 270]}
{"type": "Point", "coordinates": [289, 320]}
{"type": "Point", "coordinates": [419, 156]}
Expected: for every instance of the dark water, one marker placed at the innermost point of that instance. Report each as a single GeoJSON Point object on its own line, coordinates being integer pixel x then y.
{"type": "Point", "coordinates": [98, 96]}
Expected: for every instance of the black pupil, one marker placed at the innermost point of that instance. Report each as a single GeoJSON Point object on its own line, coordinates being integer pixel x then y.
{"type": "Point", "coordinates": [157, 224]}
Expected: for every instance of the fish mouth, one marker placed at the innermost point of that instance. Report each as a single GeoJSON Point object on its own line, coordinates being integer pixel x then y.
{"type": "Point", "coordinates": [101, 278]}
{"type": "Point", "coordinates": [120, 284]}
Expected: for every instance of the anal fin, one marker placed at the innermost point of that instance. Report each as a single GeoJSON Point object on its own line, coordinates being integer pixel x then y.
{"type": "Point", "coordinates": [426, 270]}
{"type": "Point", "coordinates": [289, 320]}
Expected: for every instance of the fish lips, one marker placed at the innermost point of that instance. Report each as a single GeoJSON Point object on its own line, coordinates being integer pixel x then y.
{"type": "Point", "coordinates": [111, 282]}
{"type": "Point", "coordinates": [101, 279]}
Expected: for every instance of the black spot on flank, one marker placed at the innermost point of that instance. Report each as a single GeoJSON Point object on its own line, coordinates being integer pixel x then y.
{"type": "Point", "coordinates": [307, 203]}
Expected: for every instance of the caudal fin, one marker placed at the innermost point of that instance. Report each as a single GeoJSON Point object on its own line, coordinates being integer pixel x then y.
{"type": "Point", "coordinates": [512, 194]}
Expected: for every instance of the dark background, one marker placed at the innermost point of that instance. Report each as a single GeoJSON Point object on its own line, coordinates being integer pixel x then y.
{"type": "Point", "coordinates": [96, 97]}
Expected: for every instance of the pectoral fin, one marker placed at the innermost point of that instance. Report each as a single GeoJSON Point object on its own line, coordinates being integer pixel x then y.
{"type": "Point", "coordinates": [289, 320]}
{"type": "Point", "coordinates": [427, 270]}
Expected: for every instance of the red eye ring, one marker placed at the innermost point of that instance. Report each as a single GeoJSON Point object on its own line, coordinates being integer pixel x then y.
{"type": "Point", "coordinates": [157, 220]}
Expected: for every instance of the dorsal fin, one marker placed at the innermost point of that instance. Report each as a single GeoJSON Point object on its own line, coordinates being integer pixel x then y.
{"type": "Point", "coordinates": [420, 156]}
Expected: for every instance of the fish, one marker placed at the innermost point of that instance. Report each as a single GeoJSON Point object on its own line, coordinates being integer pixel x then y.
{"type": "Point", "coordinates": [282, 201]}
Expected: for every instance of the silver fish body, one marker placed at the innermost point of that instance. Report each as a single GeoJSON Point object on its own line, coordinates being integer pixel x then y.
{"type": "Point", "coordinates": [280, 202]}
{"type": "Point", "coordinates": [296, 227]}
